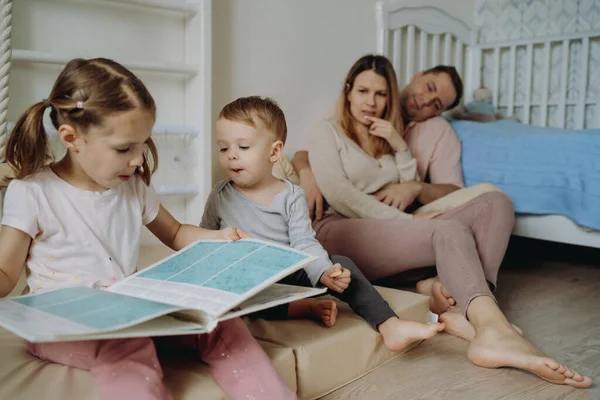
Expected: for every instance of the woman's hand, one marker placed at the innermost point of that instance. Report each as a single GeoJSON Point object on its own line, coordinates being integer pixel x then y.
{"type": "Point", "coordinates": [399, 195]}
{"type": "Point", "coordinates": [384, 129]}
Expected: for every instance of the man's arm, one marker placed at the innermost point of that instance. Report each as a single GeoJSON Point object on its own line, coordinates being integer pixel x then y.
{"type": "Point", "coordinates": [433, 191]}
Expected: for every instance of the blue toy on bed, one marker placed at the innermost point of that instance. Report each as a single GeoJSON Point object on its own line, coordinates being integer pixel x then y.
{"type": "Point", "coordinates": [543, 170]}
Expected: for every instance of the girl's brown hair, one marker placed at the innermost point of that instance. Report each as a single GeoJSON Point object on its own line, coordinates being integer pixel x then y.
{"type": "Point", "coordinates": [85, 92]}
{"type": "Point", "coordinates": [383, 67]}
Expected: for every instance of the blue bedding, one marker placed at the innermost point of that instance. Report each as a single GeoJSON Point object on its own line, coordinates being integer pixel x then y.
{"type": "Point", "coordinates": [543, 170]}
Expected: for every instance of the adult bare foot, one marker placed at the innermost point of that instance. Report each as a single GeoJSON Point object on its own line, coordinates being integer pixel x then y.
{"type": "Point", "coordinates": [397, 334]}
{"type": "Point", "coordinates": [458, 325]}
{"type": "Point", "coordinates": [324, 310]}
{"type": "Point", "coordinates": [501, 346]}
{"type": "Point", "coordinates": [440, 300]}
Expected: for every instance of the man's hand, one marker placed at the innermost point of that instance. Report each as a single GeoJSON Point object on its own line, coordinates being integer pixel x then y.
{"type": "Point", "coordinates": [233, 234]}
{"type": "Point", "coordinates": [336, 278]}
{"type": "Point", "coordinates": [399, 195]}
{"type": "Point", "coordinates": [314, 197]}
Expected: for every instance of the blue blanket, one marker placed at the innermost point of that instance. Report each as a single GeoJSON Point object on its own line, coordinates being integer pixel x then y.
{"type": "Point", "coordinates": [543, 170]}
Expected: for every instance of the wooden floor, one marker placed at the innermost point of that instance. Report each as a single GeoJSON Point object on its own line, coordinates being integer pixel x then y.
{"type": "Point", "coordinates": [552, 292]}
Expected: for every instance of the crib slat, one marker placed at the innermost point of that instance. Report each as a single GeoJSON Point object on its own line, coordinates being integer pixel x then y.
{"type": "Point", "coordinates": [496, 81]}
{"type": "Point", "coordinates": [458, 56]}
{"type": "Point", "coordinates": [562, 105]}
{"type": "Point", "coordinates": [435, 51]}
{"type": "Point", "coordinates": [511, 80]}
{"type": "Point", "coordinates": [528, 72]}
{"type": "Point", "coordinates": [580, 108]}
{"type": "Point", "coordinates": [423, 39]}
{"type": "Point", "coordinates": [410, 53]}
{"type": "Point", "coordinates": [397, 51]}
{"type": "Point", "coordinates": [447, 48]}
{"type": "Point", "coordinates": [545, 84]}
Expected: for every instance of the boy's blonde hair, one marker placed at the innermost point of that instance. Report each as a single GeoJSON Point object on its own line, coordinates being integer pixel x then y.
{"type": "Point", "coordinates": [258, 112]}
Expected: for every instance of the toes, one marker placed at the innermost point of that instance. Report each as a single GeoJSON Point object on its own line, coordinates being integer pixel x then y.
{"type": "Point", "coordinates": [567, 372]}
{"type": "Point", "coordinates": [552, 363]}
{"type": "Point", "coordinates": [586, 382]}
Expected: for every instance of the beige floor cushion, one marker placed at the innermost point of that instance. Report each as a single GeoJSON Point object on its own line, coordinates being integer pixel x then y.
{"type": "Point", "coordinates": [312, 359]}
{"type": "Point", "coordinates": [328, 358]}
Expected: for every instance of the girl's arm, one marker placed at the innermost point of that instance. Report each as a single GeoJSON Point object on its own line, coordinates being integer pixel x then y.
{"type": "Point", "coordinates": [177, 235]}
{"type": "Point", "coordinates": [14, 247]}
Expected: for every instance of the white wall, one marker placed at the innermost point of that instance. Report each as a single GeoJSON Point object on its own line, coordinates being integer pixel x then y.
{"type": "Point", "coordinates": [296, 51]}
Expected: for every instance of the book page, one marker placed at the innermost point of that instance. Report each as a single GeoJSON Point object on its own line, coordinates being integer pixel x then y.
{"type": "Point", "coordinates": [75, 311]}
{"type": "Point", "coordinates": [214, 276]}
{"type": "Point", "coordinates": [272, 296]}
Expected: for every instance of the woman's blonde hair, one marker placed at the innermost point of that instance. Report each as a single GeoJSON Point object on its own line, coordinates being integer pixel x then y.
{"type": "Point", "coordinates": [85, 92]}
{"type": "Point", "coordinates": [383, 67]}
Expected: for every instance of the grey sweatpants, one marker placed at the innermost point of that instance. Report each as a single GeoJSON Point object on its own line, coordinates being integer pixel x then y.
{"type": "Point", "coordinates": [360, 295]}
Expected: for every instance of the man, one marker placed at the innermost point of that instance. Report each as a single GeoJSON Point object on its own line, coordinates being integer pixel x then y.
{"type": "Point", "coordinates": [430, 138]}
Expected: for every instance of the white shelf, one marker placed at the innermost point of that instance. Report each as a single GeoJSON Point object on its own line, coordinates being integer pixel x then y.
{"type": "Point", "coordinates": [166, 5]}
{"type": "Point", "coordinates": [45, 58]}
{"type": "Point", "coordinates": [159, 130]}
{"type": "Point", "coordinates": [175, 190]}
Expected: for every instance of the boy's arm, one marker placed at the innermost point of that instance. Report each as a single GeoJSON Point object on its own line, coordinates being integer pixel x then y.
{"type": "Point", "coordinates": [302, 236]}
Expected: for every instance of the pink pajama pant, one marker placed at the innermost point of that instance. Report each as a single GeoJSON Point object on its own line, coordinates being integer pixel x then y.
{"type": "Point", "coordinates": [129, 368]}
{"type": "Point", "coordinates": [466, 244]}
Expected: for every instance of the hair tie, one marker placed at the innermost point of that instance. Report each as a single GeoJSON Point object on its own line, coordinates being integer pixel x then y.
{"type": "Point", "coordinates": [47, 103]}
{"type": "Point", "coordinates": [79, 105]}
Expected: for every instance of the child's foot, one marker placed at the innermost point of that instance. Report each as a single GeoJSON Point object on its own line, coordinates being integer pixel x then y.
{"type": "Point", "coordinates": [324, 310]}
{"type": "Point", "coordinates": [440, 300]}
{"type": "Point", "coordinates": [502, 346]}
{"type": "Point", "coordinates": [458, 325]}
{"type": "Point", "coordinates": [397, 334]}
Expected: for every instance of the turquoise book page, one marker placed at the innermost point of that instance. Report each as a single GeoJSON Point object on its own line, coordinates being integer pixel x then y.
{"type": "Point", "coordinates": [214, 276]}
{"type": "Point", "coordinates": [76, 311]}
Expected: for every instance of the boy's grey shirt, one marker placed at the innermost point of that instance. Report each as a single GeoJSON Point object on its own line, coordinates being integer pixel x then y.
{"type": "Point", "coordinates": [285, 221]}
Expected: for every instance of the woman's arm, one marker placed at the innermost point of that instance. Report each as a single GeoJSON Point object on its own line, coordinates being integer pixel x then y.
{"type": "Point", "coordinates": [177, 235]}
{"type": "Point", "coordinates": [307, 182]}
{"type": "Point", "coordinates": [14, 247]}
{"type": "Point", "coordinates": [337, 189]}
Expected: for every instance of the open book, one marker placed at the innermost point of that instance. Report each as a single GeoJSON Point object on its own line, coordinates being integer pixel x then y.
{"type": "Point", "coordinates": [186, 293]}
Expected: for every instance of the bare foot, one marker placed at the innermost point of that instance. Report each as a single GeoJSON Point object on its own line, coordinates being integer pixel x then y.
{"type": "Point", "coordinates": [440, 300]}
{"type": "Point", "coordinates": [324, 310]}
{"type": "Point", "coordinates": [501, 346]}
{"type": "Point", "coordinates": [398, 334]}
{"type": "Point", "coordinates": [458, 325]}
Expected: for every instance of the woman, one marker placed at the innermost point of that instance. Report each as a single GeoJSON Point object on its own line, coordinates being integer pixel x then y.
{"type": "Point", "coordinates": [365, 169]}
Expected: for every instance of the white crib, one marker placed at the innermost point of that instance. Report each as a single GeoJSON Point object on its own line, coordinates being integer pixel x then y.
{"type": "Point", "coordinates": [519, 73]}
{"type": "Point", "coordinates": [167, 43]}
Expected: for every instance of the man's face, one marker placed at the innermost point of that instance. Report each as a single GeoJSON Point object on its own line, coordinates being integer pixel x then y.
{"type": "Point", "coordinates": [427, 96]}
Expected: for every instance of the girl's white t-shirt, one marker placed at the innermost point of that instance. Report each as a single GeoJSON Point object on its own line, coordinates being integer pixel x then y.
{"type": "Point", "coordinates": [80, 237]}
